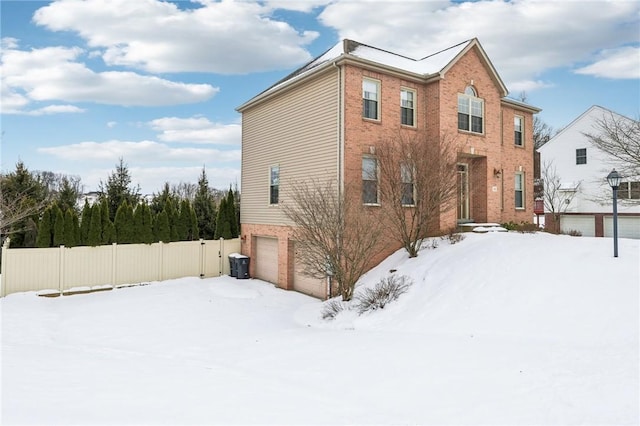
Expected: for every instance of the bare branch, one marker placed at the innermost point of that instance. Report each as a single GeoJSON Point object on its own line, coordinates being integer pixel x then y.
{"type": "Point", "coordinates": [417, 183]}
{"type": "Point", "coordinates": [557, 195]}
{"type": "Point", "coordinates": [336, 234]}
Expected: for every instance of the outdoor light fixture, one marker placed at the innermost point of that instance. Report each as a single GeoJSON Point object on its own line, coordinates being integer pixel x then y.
{"type": "Point", "coordinates": [614, 182]}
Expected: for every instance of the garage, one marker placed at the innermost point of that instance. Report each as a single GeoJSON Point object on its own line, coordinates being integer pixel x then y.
{"type": "Point", "coordinates": [305, 284]}
{"type": "Point", "coordinates": [585, 224]}
{"type": "Point", "coordinates": [628, 227]}
{"type": "Point", "coordinates": [266, 259]}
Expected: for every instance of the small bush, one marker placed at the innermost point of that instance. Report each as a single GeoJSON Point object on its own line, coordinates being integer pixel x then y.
{"type": "Point", "coordinates": [453, 237]}
{"type": "Point", "coordinates": [332, 308]}
{"type": "Point", "coordinates": [386, 291]}
{"type": "Point", "coordinates": [574, 233]}
{"type": "Point", "coordinates": [523, 227]}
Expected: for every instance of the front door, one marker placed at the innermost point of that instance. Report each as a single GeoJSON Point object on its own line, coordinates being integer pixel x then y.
{"type": "Point", "coordinates": [463, 192]}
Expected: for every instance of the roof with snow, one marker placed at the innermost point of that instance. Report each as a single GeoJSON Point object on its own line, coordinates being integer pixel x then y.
{"type": "Point", "coordinates": [433, 65]}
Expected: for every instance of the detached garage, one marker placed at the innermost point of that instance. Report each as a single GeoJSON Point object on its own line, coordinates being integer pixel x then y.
{"type": "Point", "coordinates": [628, 227]}
{"type": "Point", "coordinates": [266, 267]}
{"type": "Point", "coordinates": [586, 224]}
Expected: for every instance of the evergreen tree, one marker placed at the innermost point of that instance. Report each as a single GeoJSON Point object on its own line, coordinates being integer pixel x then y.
{"type": "Point", "coordinates": [223, 224]}
{"type": "Point", "coordinates": [163, 231]}
{"type": "Point", "coordinates": [231, 214]}
{"type": "Point", "coordinates": [147, 224]}
{"type": "Point", "coordinates": [136, 236]}
{"type": "Point", "coordinates": [125, 233]}
{"type": "Point", "coordinates": [45, 234]}
{"type": "Point", "coordinates": [94, 236]}
{"type": "Point", "coordinates": [85, 220]}
{"type": "Point", "coordinates": [68, 193]}
{"type": "Point", "coordinates": [58, 227]}
{"type": "Point", "coordinates": [194, 233]}
{"type": "Point", "coordinates": [205, 208]}
{"type": "Point", "coordinates": [159, 200]}
{"type": "Point", "coordinates": [184, 221]}
{"type": "Point", "coordinates": [172, 216]}
{"type": "Point", "coordinates": [70, 230]}
{"type": "Point", "coordinates": [108, 228]}
{"type": "Point", "coordinates": [118, 189]}
{"type": "Point", "coordinates": [76, 227]}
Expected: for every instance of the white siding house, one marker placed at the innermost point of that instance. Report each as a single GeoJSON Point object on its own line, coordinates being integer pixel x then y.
{"type": "Point", "coordinates": [578, 162]}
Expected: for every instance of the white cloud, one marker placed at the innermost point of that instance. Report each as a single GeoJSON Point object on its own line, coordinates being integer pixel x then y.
{"type": "Point", "coordinates": [112, 124]}
{"type": "Point", "coordinates": [522, 38]}
{"type": "Point", "coordinates": [221, 37]}
{"type": "Point", "coordinates": [143, 151]}
{"type": "Point", "coordinates": [621, 63]}
{"type": "Point", "coordinates": [297, 5]}
{"type": "Point", "coordinates": [196, 130]}
{"type": "Point", "coordinates": [54, 73]}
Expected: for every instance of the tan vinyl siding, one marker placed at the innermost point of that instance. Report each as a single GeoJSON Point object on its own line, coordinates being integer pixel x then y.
{"type": "Point", "coordinates": [297, 130]}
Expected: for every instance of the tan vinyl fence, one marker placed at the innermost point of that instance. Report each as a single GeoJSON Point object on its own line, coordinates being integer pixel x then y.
{"type": "Point", "coordinates": [65, 269]}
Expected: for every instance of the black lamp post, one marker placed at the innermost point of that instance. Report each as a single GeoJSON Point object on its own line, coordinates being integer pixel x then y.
{"type": "Point", "coordinates": [614, 182]}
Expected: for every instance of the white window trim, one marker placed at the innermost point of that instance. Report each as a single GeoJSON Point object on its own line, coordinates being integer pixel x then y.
{"type": "Point", "coordinates": [415, 97]}
{"type": "Point", "coordinates": [412, 182]}
{"type": "Point", "coordinates": [377, 181]}
{"type": "Point", "coordinates": [378, 101]}
{"type": "Point", "coordinates": [521, 131]}
{"type": "Point", "coordinates": [468, 99]}
{"type": "Point", "coordinates": [273, 166]}
{"type": "Point", "coordinates": [523, 182]}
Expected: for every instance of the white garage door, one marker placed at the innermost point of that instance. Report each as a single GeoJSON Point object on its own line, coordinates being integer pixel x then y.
{"type": "Point", "coordinates": [266, 259]}
{"type": "Point", "coordinates": [585, 224]}
{"type": "Point", "coordinates": [305, 284]}
{"type": "Point", "coordinates": [628, 227]}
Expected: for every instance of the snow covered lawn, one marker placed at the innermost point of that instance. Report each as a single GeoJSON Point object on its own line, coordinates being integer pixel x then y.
{"type": "Point", "coordinates": [501, 328]}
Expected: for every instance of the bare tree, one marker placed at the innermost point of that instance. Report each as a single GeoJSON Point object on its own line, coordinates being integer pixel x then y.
{"type": "Point", "coordinates": [557, 197]}
{"type": "Point", "coordinates": [417, 183]}
{"type": "Point", "coordinates": [185, 190]}
{"type": "Point", "coordinates": [16, 209]}
{"type": "Point", "coordinates": [619, 137]}
{"type": "Point", "coordinates": [541, 132]}
{"type": "Point", "coordinates": [335, 233]}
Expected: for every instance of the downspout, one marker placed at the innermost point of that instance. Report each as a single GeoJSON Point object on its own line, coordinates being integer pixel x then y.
{"type": "Point", "coordinates": [340, 153]}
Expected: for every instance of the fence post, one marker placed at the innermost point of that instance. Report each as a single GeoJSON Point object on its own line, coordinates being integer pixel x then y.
{"type": "Point", "coordinates": [161, 263]}
{"type": "Point", "coordinates": [3, 269]}
{"type": "Point", "coordinates": [220, 260]}
{"type": "Point", "coordinates": [203, 251]}
{"type": "Point", "coordinates": [61, 269]}
{"type": "Point", "coordinates": [114, 259]}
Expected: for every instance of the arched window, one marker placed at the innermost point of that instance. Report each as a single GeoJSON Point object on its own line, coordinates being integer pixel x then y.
{"type": "Point", "coordinates": [470, 111]}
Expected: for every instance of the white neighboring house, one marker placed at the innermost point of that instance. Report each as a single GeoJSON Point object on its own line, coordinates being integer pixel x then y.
{"type": "Point", "coordinates": [578, 161]}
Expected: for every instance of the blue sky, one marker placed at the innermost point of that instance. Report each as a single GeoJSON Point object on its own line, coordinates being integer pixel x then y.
{"type": "Point", "coordinates": [157, 83]}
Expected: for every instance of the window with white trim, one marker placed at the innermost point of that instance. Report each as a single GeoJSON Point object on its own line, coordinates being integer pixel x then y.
{"type": "Point", "coordinates": [518, 130]}
{"type": "Point", "coordinates": [407, 173]}
{"type": "Point", "coordinates": [519, 190]}
{"type": "Point", "coordinates": [369, 180]}
{"type": "Point", "coordinates": [629, 191]}
{"type": "Point", "coordinates": [274, 184]}
{"type": "Point", "coordinates": [581, 156]}
{"type": "Point", "coordinates": [407, 107]}
{"type": "Point", "coordinates": [370, 99]}
{"type": "Point", "coordinates": [470, 111]}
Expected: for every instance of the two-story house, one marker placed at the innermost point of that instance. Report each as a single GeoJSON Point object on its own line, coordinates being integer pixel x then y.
{"type": "Point", "coordinates": [323, 120]}
{"type": "Point", "coordinates": [582, 169]}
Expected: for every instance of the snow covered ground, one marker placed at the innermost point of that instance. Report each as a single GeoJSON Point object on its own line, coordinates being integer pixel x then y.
{"type": "Point", "coordinates": [501, 328]}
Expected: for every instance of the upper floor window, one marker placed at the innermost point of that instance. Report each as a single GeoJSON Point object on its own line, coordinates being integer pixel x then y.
{"type": "Point", "coordinates": [581, 156]}
{"type": "Point", "coordinates": [517, 130]}
{"type": "Point", "coordinates": [629, 191]}
{"type": "Point", "coordinates": [519, 190]}
{"type": "Point", "coordinates": [408, 188]}
{"type": "Point", "coordinates": [470, 111]}
{"type": "Point", "coordinates": [274, 184]}
{"type": "Point", "coordinates": [369, 180]}
{"type": "Point", "coordinates": [370, 99]}
{"type": "Point", "coordinates": [407, 109]}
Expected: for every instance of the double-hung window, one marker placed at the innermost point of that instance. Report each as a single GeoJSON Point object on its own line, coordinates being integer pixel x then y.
{"type": "Point", "coordinates": [629, 191]}
{"type": "Point", "coordinates": [370, 99]}
{"type": "Point", "coordinates": [407, 108]}
{"type": "Point", "coordinates": [519, 190]}
{"type": "Point", "coordinates": [470, 111]}
{"type": "Point", "coordinates": [274, 184]}
{"type": "Point", "coordinates": [517, 130]}
{"type": "Point", "coordinates": [369, 180]}
{"type": "Point", "coordinates": [581, 156]}
{"type": "Point", "coordinates": [408, 187]}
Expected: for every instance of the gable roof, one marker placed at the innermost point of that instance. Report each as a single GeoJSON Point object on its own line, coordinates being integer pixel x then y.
{"type": "Point", "coordinates": [431, 66]}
